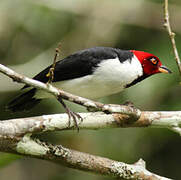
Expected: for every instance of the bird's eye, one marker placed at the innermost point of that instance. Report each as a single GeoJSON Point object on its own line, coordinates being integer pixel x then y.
{"type": "Point", "coordinates": [154, 61]}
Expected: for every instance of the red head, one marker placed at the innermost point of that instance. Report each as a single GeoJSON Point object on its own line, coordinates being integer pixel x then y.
{"type": "Point", "coordinates": [150, 63]}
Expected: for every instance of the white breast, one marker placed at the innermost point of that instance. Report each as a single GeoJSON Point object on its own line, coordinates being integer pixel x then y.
{"type": "Point", "coordinates": [109, 78]}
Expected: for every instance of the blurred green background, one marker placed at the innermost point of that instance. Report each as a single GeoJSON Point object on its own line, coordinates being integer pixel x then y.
{"type": "Point", "coordinates": [29, 33]}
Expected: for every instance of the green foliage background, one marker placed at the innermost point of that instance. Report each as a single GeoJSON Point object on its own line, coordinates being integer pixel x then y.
{"type": "Point", "coordinates": [29, 32]}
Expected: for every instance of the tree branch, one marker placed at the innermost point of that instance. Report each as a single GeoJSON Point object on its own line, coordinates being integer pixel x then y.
{"type": "Point", "coordinates": [15, 133]}
{"type": "Point", "coordinates": [171, 35]}
{"type": "Point", "coordinates": [75, 159]}
{"type": "Point", "coordinates": [19, 127]}
{"type": "Point", "coordinates": [91, 105]}
{"type": "Point", "coordinates": [128, 113]}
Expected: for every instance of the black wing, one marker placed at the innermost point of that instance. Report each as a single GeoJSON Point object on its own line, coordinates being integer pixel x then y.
{"type": "Point", "coordinates": [81, 63]}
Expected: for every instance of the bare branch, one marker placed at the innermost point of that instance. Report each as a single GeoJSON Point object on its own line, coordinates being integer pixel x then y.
{"type": "Point", "coordinates": [171, 35]}
{"type": "Point", "coordinates": [16, 128]}
{"type": "Point", "coordinates": [96, 106]}
{"type": "Point", "coordinates": [78, 160]}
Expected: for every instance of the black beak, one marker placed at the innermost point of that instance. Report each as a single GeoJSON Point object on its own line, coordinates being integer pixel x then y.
{"type": "Point", "coordinates": [164, 69]}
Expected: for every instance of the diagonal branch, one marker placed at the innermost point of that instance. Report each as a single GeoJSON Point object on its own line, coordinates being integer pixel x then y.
{"type": "Point", "coordinates": [78, 160]}
{"type": "Point", "coordinates": [171, 35]}
{"type": "Point", "coordinates": [93, 105]}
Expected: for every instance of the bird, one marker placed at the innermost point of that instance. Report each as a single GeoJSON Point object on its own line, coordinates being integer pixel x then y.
{"type": "Point", "coordinates": [93, 73]}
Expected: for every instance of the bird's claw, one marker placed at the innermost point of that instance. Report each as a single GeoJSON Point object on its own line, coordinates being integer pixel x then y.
{"type": "Point", "coordinates": [71, 115]}
{"type": "Point", "coordinates": [74, 116]}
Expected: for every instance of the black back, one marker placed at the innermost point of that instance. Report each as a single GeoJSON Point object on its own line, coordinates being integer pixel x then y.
{"type": "Point", "coordinates": [82, 63]}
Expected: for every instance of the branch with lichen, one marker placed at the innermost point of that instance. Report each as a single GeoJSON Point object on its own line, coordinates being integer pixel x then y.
{"type": "Point", "coordinates": [96, 120]}
{"type": "Point", "coordinates": [75, 159]}
{"type": "Point", "coordinates": [129, 114]}
{"type": "Point", "coordinates": [15, 133]}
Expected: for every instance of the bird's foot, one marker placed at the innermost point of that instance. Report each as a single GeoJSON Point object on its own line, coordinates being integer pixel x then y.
{"type": "Point", "coordinates": [75, 116]}
{"type": "Point", "coordinates": [71, 115]}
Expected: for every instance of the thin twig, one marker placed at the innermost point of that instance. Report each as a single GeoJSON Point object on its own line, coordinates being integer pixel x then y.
{"type": "Point", "coordinates": [171, 34]}
{"type": "Point", "coordinates": [52, 69]}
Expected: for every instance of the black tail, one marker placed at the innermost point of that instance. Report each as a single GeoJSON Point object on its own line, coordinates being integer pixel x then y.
{"type": "Point", "coordinates": [24, 102]}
